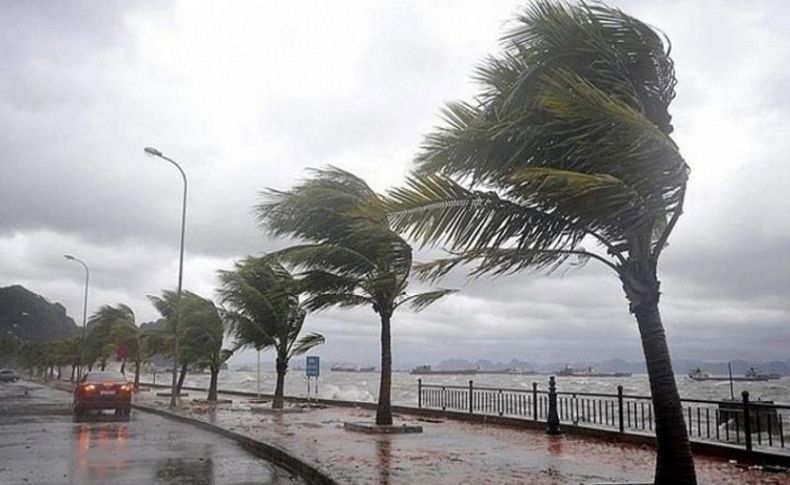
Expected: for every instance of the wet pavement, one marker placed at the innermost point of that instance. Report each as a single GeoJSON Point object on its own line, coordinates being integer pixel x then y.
{"type": "Point", "coordinates": [449, 451]}
{"type": "Point", "coordinates": [40, 444]}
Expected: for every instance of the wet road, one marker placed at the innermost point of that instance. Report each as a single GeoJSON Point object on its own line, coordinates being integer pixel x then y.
{"type": "Point", "coordinates": [39, 443]}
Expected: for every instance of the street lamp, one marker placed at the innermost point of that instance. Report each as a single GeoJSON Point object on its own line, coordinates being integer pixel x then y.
{"type": "Point", "coordinates": [84, 310]}
{"type": "Point", "coordinates": [156, 153]}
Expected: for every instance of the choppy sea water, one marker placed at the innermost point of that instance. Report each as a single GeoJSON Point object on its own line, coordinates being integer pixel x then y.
{"type": "Point", "coordinates": [363, 386]}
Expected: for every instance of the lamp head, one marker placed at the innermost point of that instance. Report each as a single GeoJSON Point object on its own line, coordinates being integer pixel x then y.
{"type": "Point", "coordinates": [153, 152]}
{"type": "Point", "coordinates": [68, 256]}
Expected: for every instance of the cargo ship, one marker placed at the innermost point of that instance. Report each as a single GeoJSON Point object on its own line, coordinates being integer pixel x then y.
{"type": "Point", "coordinates": [351, 368]}
{"type": "Point", "coordinates": [569, 371]}
{"type": "Point", "coordinates": [751, 375]}
{"type": "Point", "coordinates": [427, 370]}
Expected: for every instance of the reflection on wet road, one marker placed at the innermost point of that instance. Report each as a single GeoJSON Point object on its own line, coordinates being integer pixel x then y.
{"type": "Point", "coordinates": [39, 443]}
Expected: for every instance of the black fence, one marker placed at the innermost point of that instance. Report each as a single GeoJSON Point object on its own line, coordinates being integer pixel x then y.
{"type": "Point", "coordinates": [738, 422]}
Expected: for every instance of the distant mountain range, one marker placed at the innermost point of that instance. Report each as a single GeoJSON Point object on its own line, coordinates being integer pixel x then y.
{"type": "Point", "coordinates": [681, 366]}
{"type": "Point", "coordinates": [28, 316]}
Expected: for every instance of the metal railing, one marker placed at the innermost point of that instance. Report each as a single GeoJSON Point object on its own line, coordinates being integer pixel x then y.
{"type": "Point", "coordinates": [738, 422]}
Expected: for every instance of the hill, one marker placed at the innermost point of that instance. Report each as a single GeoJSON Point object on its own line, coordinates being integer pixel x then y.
{"type": "Point", "coordinates": [29, 316]}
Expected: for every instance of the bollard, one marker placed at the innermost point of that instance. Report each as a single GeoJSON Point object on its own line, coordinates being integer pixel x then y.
{"type": "Point", "coordinates": [553, 419]}
{"type": "Point", "coordinates": [747, 425]}
{"type": "Point", "coordinates": [620, 407]}
{"type": "Point", "coordinates": [471, 397]}
{"type": "Point", "coordinates": [534, 401]}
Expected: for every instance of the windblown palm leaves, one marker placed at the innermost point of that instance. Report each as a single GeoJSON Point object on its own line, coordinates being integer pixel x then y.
{"type": "Point", "coordinates": [200, 332]}
{"type": "Point", "coordinates": [568, 142]}
{"type": "Point", "coordinates": [564, 157]}
{"type": "Point", "coordinates": [265, 312]}
{"type": "Point", "coordinates": [101, 340]}
{"type": "Point", "coordinates": [350, 256]}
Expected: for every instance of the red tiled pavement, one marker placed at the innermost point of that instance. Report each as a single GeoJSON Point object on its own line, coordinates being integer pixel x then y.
{"type": "Point", "coordinates": [450, 451]}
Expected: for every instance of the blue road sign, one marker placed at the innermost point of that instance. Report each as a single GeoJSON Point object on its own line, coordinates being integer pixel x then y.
{"type": "Point", "coordinates": [312, 366]}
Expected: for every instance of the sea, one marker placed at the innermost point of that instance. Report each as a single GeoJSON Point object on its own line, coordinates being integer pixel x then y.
{"type": "Point", "coordinates": [363, 386]}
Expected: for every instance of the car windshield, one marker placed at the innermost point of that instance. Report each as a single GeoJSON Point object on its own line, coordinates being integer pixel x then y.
{"type": "Point", "coordinates": [6, 371]}
{"type": "Point", "coordinates": [107, 376]}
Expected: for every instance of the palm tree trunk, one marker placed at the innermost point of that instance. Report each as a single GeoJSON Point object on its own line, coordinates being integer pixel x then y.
{"type": "Point", "coordinates": [383, 409]}
{"type": "Point", "coordinates": [212, 386]}
{"type": "Point", "coordinates": [59, 372]}
{"type": "Point", "coordinates": [136, 375]}
{"type": "Point", "coordinates": [123, 365]}
{"type": "Point", "coordinates": [181, 377]}
{"type": "Point", "coordinates": [674, 462]}
{"type": "Point", "coordinates": [279, 390]}
{"type": "Point", "coordinates": [73, 371]}
{"type": "Point", "coordinates": [103, 363]}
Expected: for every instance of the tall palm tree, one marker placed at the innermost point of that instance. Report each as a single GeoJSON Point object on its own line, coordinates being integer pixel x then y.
{"type": "Point", "coordinates": [265, 312]}
{"type": "Point", "coordinates": [350, 258]}
{"type": "Point", "coordinates": [564, 157]}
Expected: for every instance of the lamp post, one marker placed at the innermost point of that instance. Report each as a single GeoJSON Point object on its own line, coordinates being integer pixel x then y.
{"type": "Point", "coordinates": [84, 310]}
{"type": "Point", "coordinates": [156, 153]}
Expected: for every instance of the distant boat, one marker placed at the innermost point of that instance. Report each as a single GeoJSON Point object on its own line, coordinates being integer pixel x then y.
{"type": "Point", "coordinates": [508, 371]}
{"type": "Point", "coordinates": [569, 371]}
{"type": "Point", "coordinates": [343, 368]}
{"type": "Point", "coordinates": [752, 374]}
{"type": "Point", "coordinates": [698, 375]}
{"type": "Point", "coordinates": [427, 370]}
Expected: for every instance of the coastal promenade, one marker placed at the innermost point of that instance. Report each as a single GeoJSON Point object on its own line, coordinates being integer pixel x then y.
{"type": "Point", "coordinates": [448, 451]}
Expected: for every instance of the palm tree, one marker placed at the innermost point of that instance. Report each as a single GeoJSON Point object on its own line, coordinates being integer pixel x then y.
{"type": "Point", "coordinates": [565, 156]}
{"type": "Point", "coordinates": [200, 334]}
{"type": "Point", "coordinates": [351, 256]}
{"type": "Point", "coordinates": [115, 330]}
{"type": "Point", "coordinates": [132, 342]}
{"type": "Point", "coordinates": [203, 331]}
{"type": "Point", "coordinates": [66, 352]}
{"type": "Point", "coordinates": [265, 313]}
{"type": "Point", "coordinates": [99, 343]}
{"type": "Point", "coordinates": [34, 357]}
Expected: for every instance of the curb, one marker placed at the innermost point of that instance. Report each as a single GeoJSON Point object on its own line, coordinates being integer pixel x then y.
{"type": "Point", "coordinates": [271, 453]}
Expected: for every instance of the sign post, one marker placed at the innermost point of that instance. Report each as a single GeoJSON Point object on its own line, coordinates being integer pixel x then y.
{"type": "Point", "coordinates": [312, 369]}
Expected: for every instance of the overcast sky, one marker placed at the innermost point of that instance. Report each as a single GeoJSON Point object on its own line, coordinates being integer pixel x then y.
{"type": "Point", "coordinates": [247, 95]}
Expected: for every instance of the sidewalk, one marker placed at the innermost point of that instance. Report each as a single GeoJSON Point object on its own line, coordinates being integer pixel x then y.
{"type": "Point", "coordinates": [447, 451]}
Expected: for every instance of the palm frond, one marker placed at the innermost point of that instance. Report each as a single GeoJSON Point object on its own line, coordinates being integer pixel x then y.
{"type": "Point", "coordinates": [499, 261]}
{"type": "Point", "coordinates": [306, 343]}
{"type": "Point", "coordinates": [328, 257]}
{"type": "Point", "coordinates": [323, 301]}
{"type": "Point", "coordinates": [422, 301]}
{"type": "Point", "coordinates": [437, 210]}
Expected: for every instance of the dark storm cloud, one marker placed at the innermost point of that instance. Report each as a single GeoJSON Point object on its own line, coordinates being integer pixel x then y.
{"type": "Point", "coordinates": [248, 96]}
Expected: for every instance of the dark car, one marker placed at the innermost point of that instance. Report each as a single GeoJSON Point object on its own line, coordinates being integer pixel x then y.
{"type": "Point", "coordinates": [7, 375]}
{"type": "Point", "coordinates": [103, 390]}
